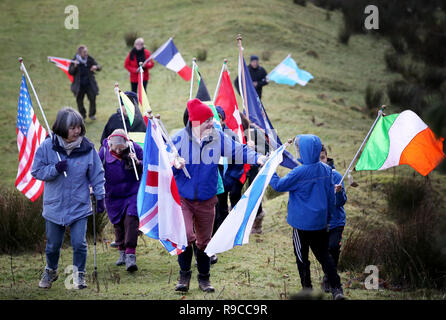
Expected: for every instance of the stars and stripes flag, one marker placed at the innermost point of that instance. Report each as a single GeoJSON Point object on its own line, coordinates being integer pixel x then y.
{"type": "Point", "coordinates": [63, 64]}
{"type": "Point", "coordinates": [30, 134]}
{"type": "Point", "coordinates": [158, 202]}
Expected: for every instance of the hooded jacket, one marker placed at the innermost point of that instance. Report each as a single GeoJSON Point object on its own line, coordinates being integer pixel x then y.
{"type": "Point", "coordinates": [338, 218]}
{"type": "Point", "coordinates": [202, 161]}
{"type": "Point", "coordinates": [67, 199]}
{"type": "Point", "coordinates": [311, 200]}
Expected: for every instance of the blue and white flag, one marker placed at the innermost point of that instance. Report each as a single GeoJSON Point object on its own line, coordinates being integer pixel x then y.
{"type": "Point", "coordinates": [287, 72]}
{"type": "Point", "coordinates": [257, 114]}
{"type": "Point", "coordinates": [236, 228]}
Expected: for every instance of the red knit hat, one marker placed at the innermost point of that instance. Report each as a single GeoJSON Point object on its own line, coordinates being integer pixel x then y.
{"type": "Point", "coordinates": [198, 111]}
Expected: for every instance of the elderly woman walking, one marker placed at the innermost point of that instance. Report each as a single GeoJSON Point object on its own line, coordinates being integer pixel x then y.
{"type": "Point", "coordinates": [66, 199]}
{"type": "Point", "coordinates": [138, 54]}
{"type": "Point", "coordinates": [121, 189]}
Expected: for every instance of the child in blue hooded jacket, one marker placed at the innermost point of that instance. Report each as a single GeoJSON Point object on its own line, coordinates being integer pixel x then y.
{"type": "Point", "coordinates": [310, 206]}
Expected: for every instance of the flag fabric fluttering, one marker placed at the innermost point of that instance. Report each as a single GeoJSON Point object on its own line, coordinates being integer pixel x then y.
{"type": "Point", "coordinates": [287, 72]}
{"type": "Point", "coordinates": [143, 102]}
{"type": "Point", "coordinates": [202, 92]}
{"type": "Point", "coordinates": [158, 202]}
{"type": "Point", "coordinates": [30, 134]}
{"type": "Point", "coordinates": [138, 137]}
{"type": "Point", "coordinates": [402, 138]}
{"type": "Point", "coordinates": [129, 106]}
{"type": "Point", "coordinates": [257, 114]}
{"type": "Point", "coordinates": [63, 64]}
{"type": "Point", "coordinates": [236, 228]}
{"type": "Point", "coordinates": [169, 56]}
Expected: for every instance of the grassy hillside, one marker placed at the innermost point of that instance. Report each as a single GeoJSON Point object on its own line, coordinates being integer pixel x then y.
{"type": "Point", "coordinates": [328, 107]}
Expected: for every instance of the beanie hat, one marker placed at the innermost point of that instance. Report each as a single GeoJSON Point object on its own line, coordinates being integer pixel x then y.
{"type": "Point", "coordinates": [254, 57]}
{"type": "Point", "coordinates": [221, 113]}
{"type": "Point", "coordinates": [198, 111]}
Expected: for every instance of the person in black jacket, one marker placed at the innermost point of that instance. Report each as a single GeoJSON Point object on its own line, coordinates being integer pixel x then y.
{"type": "Point", "coordinates": [115, 120]}
{"type": "Point", "coordinates": [258, 76]}
{"type": "Point", "coordinates": [82, 69]}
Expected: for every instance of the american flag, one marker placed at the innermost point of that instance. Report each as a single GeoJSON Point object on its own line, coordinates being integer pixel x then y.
{"type": "Point", "coordinates": [159, 207]}
{"type": "Point", "coordinates": [30, 135]}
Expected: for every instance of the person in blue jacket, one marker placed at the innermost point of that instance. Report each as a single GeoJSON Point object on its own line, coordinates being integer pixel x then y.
{"type": "Point", "coordinates": [200, 147]}
{"type": "Point", "coordinates": [66, 199]}
{"type": "Point", "coordinates": [310, 206]}
{"type": "Point", "coordinates": [337, 220]}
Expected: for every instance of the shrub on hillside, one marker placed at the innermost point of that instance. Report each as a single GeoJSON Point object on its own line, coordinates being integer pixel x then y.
{"type": "Point", "coordinates": [374, 98]}
{"type": "Point", "coordinates": [406, 252]}
{"type": "Point", "coordinates": [130, 38]}
{"type": "Point", "coordinates": [202, 54]}
{"type": "Point", "coordinates": [300, 2]}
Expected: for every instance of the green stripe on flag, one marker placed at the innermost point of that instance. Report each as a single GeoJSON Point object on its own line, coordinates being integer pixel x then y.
{"type": "Point", "coordinates": [377, 148]}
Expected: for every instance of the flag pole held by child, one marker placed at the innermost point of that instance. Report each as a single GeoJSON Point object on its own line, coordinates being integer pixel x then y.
{"type": "Point", "coordinates": [23, 68]}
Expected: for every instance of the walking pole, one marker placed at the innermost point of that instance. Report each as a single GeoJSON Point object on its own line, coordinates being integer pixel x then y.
{"type": "Point", "coordinates": [125, 129]}
{"type": "Point", "coordinates": [95, 272]}
{"type": "Point", "coordinates": [22, 67]}
{"type": "Point", "coordinates": [225, 61]}
{"type": "Point", "coordinates": [380, 113]}
{"type": "Point", "coordinates": [245, 106]}
{"type": "Point", "coordinates": [192, 79]}
{"type": "Point", "coordinates": [169, 142]}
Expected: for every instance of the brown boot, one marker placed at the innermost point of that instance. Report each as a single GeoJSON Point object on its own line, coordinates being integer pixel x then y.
{"type": "Point", "coordinates": [183, 283]}
{"type": "Point", "coordinates": [204, 283]}
{"type": "Point", "coordinates": [257, 226]}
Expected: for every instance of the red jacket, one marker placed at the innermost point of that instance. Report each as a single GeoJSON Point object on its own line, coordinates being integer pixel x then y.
{"type": "Point", "coordinates": [132, 66]}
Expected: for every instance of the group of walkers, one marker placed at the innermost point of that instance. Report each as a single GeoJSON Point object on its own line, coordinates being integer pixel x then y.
{"type": "Point", "coordinates": [73, 171]}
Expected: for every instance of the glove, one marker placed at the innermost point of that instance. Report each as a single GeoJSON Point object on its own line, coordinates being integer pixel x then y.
{"type": "Point", "coordinates": [61, 166]}
{"type": "Point", "coordinates": [261, 160]}
{"type": "Point", "coordinates": [100, 206]}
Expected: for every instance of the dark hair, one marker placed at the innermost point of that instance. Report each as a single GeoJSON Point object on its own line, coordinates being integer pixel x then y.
{"type": "Point", "coordinates": [68, 117]}
{"type": "Point", "coordinates": [324, 150]}
{"type": "Point", "coordinates": [185, 117]}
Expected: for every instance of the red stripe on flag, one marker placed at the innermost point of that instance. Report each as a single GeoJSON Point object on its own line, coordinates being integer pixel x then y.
{"type": "Point", "coordinates": [174, 191]}
{"type": "Point", "coordinates": [152, 178]}
{"type": "Point", "coordinates": [149, 217]}
{"type": "Point", "coordinates": [185, 73]}
{"type": "Point", "coordinates": [38, 193]}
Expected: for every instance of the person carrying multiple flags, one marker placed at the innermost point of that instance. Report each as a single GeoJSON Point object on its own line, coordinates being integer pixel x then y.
{"type": "Point", "coordinates": [173, 172]}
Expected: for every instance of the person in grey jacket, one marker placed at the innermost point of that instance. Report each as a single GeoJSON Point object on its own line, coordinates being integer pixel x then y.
{"type": "Point", "coordinates": [66, 199]}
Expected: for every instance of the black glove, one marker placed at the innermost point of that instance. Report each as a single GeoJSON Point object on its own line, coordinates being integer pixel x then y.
{"type": "Point", "coordinates": [61, 166]}
{"type": "Point", "coordinates": [100, 206]}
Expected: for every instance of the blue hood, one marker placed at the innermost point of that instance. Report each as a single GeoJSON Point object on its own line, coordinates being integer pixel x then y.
{"type": "Point", "coordinates": [310, 147]}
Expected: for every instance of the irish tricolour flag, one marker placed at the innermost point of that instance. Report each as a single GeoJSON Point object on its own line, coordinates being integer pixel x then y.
{"type": "Point", "coordinates": [402, 138]}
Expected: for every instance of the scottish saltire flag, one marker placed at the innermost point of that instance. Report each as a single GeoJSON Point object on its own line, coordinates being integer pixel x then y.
{"type": "Point", "coordinates": [30, 135]}
{"type": "Point", "coordinates": [169, 56]}
{"type": "Point", "coordinates": [158, 202]}
{"type": "Point", "coordinates": [236, 228]}
{"type": "Point", "coordinates": [63, 64]}
{"type": "Point", "coordinates": [257, 113]}
{"type": "Point", "coordinates": [287, 72]}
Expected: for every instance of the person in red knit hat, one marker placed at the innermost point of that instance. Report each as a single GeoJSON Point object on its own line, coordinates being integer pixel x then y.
{"type": "Point", "coordinates": [138, 54]}
{"type": "Point", "coordinates": [200, 147]}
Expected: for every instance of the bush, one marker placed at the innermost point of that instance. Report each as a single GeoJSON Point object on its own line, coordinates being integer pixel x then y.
{"type": "Point", "coordinates": [22, 227]}
{"type": "Point", "coordinates": [344, 35]}
{"type": "Point", "coordinates": [373, 98]}
{"type": "Point", "coordinates": [130, 38]}
{"type": "Point", "coordinates": [406, 252]}
{"type": "Point", "coordinates": [202, 54]}
{"type": "Point", "coordinates": [266, 55]}
{"type": "Point", "coordinates": [300, 2]}
{"type": "Point", "coordinates": [406, 95]}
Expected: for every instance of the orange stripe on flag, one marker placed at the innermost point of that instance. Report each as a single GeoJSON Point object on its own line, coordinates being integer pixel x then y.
{"type": "Point", "coordinates": [424, 152]}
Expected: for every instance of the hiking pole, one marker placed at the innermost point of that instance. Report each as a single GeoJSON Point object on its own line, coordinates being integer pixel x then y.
{"type": "Point", "coordinates": [95, 272]}
{"type": "Point", "coordinates": [166, 136]}
{"type": "Point", "coordinates": [22, 67]}
{"type": "Point", "coordinates": [125, 129]}
{"type": "Point", "coordinates": [380, 113]}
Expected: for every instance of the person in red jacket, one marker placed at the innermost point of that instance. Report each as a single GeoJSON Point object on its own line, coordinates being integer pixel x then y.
{"type": "Point", "coordinates": [138, 54]}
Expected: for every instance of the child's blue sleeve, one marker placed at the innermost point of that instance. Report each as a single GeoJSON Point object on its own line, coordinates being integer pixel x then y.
{"type": "Point", "coordinates": [287, 183]}
{"type": "Point", "coordinates": [341, 196]}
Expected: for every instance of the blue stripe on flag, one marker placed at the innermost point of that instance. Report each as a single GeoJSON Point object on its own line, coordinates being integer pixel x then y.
{"type": "Point", "coordinates": [167, 54]}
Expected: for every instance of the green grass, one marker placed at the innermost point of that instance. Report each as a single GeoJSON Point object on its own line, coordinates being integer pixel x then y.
{"type": "Point", "coordinates": [265, 268]}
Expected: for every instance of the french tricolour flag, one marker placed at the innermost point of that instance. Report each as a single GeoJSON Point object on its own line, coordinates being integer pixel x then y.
{"type": "Point", "coordinates": [158, 202]}
{"type": "Point", "coordinates": [169, 57]}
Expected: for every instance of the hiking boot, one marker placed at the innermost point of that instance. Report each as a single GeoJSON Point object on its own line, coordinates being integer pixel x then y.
{"type": "Point", "coordinates": [325, 285]}
{"type": "Point", "coordinates": [92, 117]}
{"type": "Point", "coordinates": [114, 245]}
{"type": "Point", "coordinates": [214, 259]}
{"type": "Point", "coordinates": [121, 260]}
{"type": "Point", "coordinates": [338, 294]}
{"type": "Point", "coordinates": [257, 226]}
{"type": "Point", "coordinates": [183, 283]}
{"type": "Point", "coordinates": [204, 283]}
{"type": "Point", "coordinates": [48, 277]}
{"type": "Point", "coordinates": [130, 262]}
{"type": "Point", "coordinates": [79, 281]}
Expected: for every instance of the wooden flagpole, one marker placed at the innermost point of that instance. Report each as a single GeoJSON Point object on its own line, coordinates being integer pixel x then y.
{"type": "Point", "coordinates": [245, 104]}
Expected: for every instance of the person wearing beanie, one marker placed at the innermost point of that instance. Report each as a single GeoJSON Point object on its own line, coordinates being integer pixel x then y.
{"type": "Point", "coordinates": [121, 190]}
{"type": "Point", "coordinates": [200, 147]}
{"type": "Point", "coordinates": [138, 54]}
{"type": "Point", "coordinates": [258, 76]}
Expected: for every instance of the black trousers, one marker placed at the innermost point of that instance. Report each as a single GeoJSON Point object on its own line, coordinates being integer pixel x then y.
{"type": "Point", "coordinates": [134, 86]}
{"type": "Point", "coordinates": [203, 261]}
{"type": "Point", "coordinates": [318, 242]}
{"type": "Point", "coordinates": [334, 243]}
{"type": "Point", "coordinates": [222, 208]}
{"type": "Point", "coordinates": [80, 101]}
{"type": "Point", "coordinates": [126, 233]}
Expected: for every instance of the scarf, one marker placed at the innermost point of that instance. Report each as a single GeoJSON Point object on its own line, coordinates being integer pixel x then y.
{"type": "Point", "coordinates": [81, 60]}
{"type": "Point", "coordinates": [140, 55]}
{"type": "Point", "coordinates": [70, 146]}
